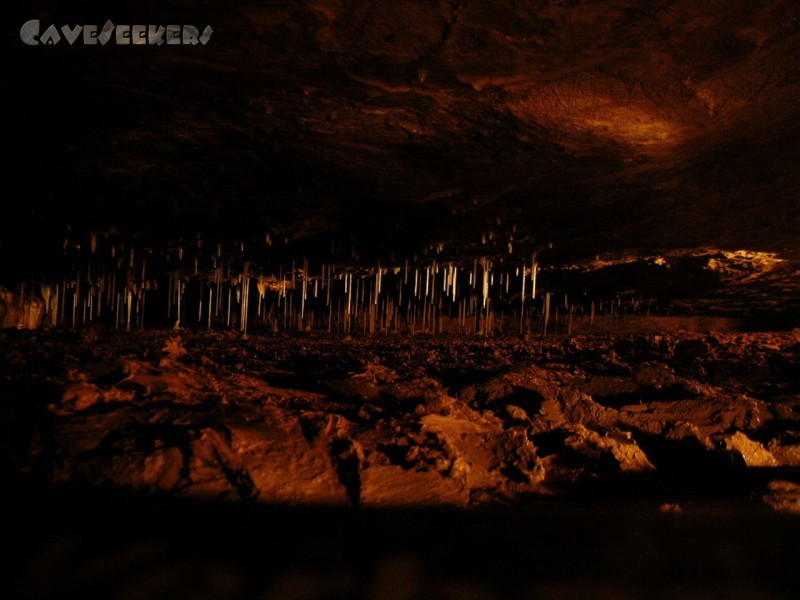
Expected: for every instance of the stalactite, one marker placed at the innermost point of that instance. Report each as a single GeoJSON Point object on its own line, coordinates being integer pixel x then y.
{"type": "Point", "coordinates": [210, 304]}
{"type": "Point", "coordinates": [546, 312]}
{"type": "Point", "coordinates": [245, 298]}
{"type": "Point", "coordinates": [115, 284]}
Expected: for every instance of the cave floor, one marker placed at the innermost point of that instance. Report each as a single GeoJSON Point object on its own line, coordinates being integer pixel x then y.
{"type": "Point", "coordinates": [307, 466]}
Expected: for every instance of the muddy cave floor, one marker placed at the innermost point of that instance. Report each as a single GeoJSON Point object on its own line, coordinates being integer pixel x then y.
{"type": "Point", "coordinates": [202, 464]}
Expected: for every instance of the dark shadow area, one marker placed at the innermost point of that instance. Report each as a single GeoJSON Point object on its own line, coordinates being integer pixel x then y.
{"type": "Point", "coordinates": [687, 468]}
{"type": "Point", "coordinates": [670, 393]}
{"type": "Point", "coordinates": [73, 542]}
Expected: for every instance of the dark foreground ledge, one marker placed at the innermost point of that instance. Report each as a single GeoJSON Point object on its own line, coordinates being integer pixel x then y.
{"type": "Point", "coordinates": [69, 542]}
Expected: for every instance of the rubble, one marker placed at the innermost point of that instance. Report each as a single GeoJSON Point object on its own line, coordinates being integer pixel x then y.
{"type": "Point", "coordinates": [213, 415]}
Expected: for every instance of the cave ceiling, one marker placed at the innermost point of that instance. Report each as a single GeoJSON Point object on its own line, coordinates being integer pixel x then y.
{"type": "Point", "coordinates": [597, 127]}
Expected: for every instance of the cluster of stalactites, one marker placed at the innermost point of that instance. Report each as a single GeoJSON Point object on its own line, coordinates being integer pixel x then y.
{"type": "Point", "coordinates": [220, 286]}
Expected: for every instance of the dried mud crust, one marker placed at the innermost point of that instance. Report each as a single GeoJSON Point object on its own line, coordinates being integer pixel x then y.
{"type": "Point", "coordinates": [417, 420]}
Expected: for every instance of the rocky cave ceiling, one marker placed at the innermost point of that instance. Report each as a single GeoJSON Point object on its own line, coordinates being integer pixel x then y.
{"type": "Point", "coordinates": [598, 126]}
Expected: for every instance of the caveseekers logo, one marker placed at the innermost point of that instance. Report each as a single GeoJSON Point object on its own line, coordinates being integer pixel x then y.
{"type": "Point", "coordinates": [122, 35]}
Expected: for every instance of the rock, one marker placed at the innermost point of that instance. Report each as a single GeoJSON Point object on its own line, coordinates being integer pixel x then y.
{"type": "Point", "coordinates": [515, 413]}
{"type": "Point", "coordinates": [20, 314]}
{"type": "Point", "coordinates": [753, 453]}
{"type": "Point", "coordinates": [786, 453]}
{"type": "Point", "coordinates": [162, 469]}
{"type": "Point", "coordinates": [654, 374]}
{"type": "Point", "coordinates": [783, 496]}
{"type": "Point", "coordinates": [602, 385]}
{"type": "Point", "coordinates": [394, 485]}
{"type": "Point", "coordinates": [619, 444]}
{"type": "Point", "coordinates": [283, 464]}
{"type": "Point", "coordinates": [112, 412]}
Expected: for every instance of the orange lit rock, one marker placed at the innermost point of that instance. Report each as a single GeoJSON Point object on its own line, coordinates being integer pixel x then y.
{"type": "Point", "coordinates": [226, 418]}
{"type": "Point", "coordinates": [16, 313]}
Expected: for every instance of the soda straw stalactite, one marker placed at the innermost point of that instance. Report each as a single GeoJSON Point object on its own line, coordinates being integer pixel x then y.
{"type": "Point", "coordinates": [245, 301]}
{"type": "Point", "coordinates": [210, 304]}
{"type": "Point", "coordinates": [134, 284]}
{"type": "Point", "coordinates": [546, 312]}
{"type": "Point", "coordinates": [128, 305]}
